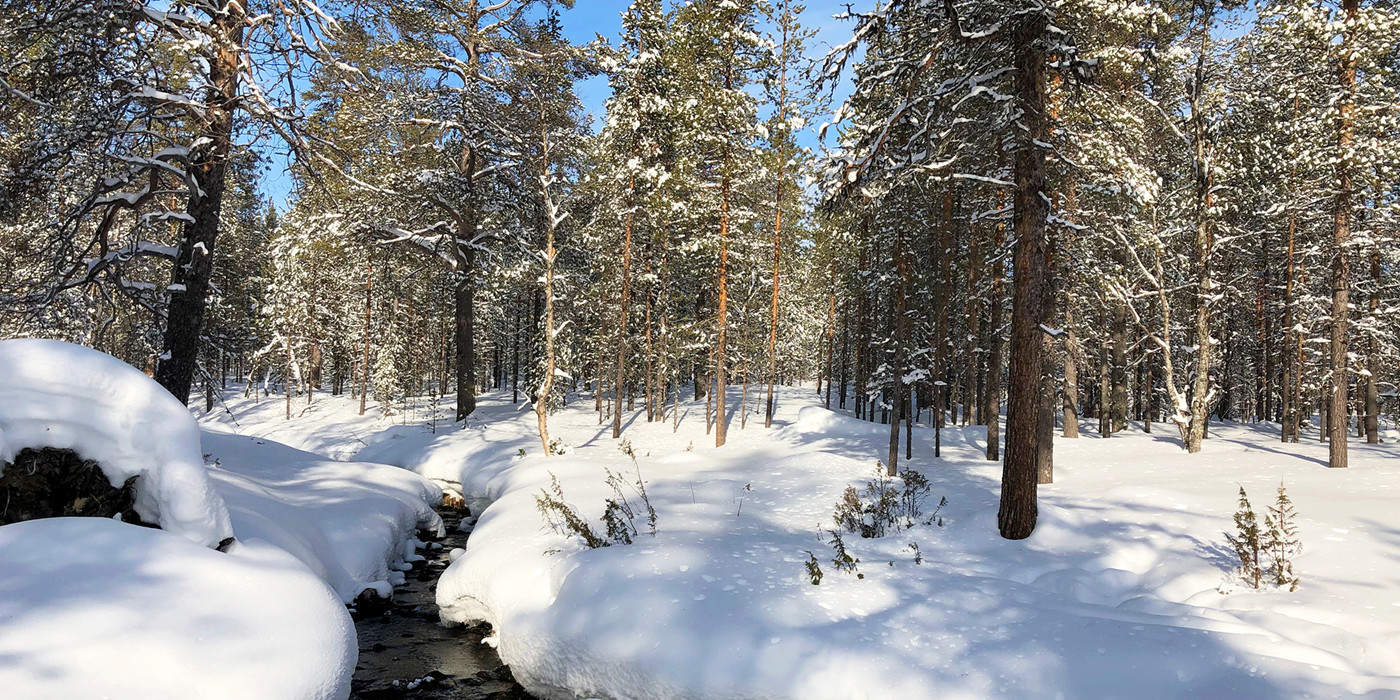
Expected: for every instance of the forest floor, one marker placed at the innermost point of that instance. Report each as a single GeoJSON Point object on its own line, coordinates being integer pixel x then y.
{"type": "Point", "coordinates": [1126, 589]}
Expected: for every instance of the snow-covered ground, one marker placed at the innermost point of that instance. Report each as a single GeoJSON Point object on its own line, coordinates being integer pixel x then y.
{"type": "Point", "coordinates": [352, 523]}
{"type": "Point", "coordinates": [1123, 591]}
{"type": "Point", "coordinates": [95, 608]}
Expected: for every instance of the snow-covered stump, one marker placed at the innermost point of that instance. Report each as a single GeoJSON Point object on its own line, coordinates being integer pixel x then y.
{"type": "Point", "coordinates": [67, 397]}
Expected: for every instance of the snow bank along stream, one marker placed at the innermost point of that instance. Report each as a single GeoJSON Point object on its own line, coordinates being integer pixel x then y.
{"type": "Point", "coordinates": [1122, 592]}
{"type": "Point", "coordinates": [91, 607]}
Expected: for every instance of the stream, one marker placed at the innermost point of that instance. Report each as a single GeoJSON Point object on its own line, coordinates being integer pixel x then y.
{"type": "Point", "coordinates": [406, 653]}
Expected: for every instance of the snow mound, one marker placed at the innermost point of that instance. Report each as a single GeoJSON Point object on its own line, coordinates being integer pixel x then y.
{"type": "Point", "coordinates": [1117, 594]}
{"type": "Point", "coordinates": [65, 396]}
{"type": "Point", "coordinates": [94, 608]}
{"type": "Point", "coordinates": [354, 524]}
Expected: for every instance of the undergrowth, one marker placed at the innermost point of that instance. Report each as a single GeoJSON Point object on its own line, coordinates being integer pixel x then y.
{"type": "Point", "coordinates": [620, 513]}
{"type": "Point", "coordinates": [885, 506]}
{"type": "Point", "coordinates": [1267, 552]}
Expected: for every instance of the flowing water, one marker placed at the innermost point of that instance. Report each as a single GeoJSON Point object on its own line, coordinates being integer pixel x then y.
{"type": "Point", "coordinates": [406, 653]}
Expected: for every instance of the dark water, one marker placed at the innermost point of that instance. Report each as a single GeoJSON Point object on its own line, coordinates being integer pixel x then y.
{"type": "Point", "coordinates": [402, 641]}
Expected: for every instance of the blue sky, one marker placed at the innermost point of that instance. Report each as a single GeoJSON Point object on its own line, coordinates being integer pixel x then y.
{"type": "Point", "coordinates": [590, 18]}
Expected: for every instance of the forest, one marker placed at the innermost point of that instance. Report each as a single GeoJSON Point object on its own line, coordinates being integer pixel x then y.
{"type": "Point", "coordinates": [976, 227]}
{"type": "Point", "coordinates": [1190, 209]}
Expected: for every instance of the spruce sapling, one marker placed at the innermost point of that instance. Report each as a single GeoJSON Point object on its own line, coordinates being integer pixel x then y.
{"type": "Point", "coordinates": [1246, 541]}
{"type": "Point", "coordinates": [1281, 541]}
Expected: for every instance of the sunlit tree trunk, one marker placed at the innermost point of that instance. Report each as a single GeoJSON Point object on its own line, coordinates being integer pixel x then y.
{"type": "Point", "coordinates": [1341, 230]}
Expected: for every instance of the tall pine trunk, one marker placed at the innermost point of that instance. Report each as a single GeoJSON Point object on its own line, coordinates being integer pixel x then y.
{"type": "Point", "coordinates": [369, 306]}
{"type": "Point", "coordinates": [1016, 516]}
{"type": "Point", "coordinates": [1200, 388]}
{"type": "Point", "coordinates": [1373, 364]}
{"type": "Point", "coordinates": [831, 336]}
{"type": "Point", "coordinates": [1070, 402]}
{"type": "Point", "coordinates": [1341, 268]}
{"type": "Point", "coordinates": [550, 222]}
{"type": "Point", "coordinates": [777, 218]}
{"type": "Point", "coordinates": [992, 410]}
{"type": "Point", "coordinates": [624, 303]}
{"type": "Point", "coordinates": [1292, 338]}
{"type": "Point", "coordinates": [194, 264]}
{"type": "Point", "coordinates": [901, 332]}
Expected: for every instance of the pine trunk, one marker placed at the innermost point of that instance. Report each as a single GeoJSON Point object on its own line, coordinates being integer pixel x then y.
{"type": "Point", "coordinates": [1070, 403]}
{"type": "Point", "coordinates": [1373, 364]}
{"type": "Point", "coordinates": [194, 264]}
{"type": "Point", "coordinates": [624, 303]}
{"type": "Point", "coordinates": [1016, 516]}
{"type": "Point", "coordinates": [369, 305]}
{"type": "Point", "coordinates": [901, 328]}
{"type": "Point", "coordinates": [992, 410]}
{"type": "Point", "coordinates": [1341, 272]}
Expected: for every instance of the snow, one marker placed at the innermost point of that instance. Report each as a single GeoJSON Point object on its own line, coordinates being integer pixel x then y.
{"type": "Point", "coordinates": [55, 394]}
{"type": "Point", "coordinates": [351, 523]}
{"type": "Point", "coordinates": [1124, 590]}
{"type": "Point", "coordinates": [290, 482]}
{"type": "Point", "coordinates": [99, 608]}
{"type": "Point", "coordinates": [94, 608]}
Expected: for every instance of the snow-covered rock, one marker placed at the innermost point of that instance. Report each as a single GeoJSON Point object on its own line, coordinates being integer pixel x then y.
{"type": "Point", "coordinates": [65, 396]}
{"type": "Point", "coordinates": [94, 608]}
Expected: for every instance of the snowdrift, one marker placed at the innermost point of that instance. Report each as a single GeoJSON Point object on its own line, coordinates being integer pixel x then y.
{"type": "Point", "coordinates": [93, 608]}
{"type": "Point", "coordinates": [1123, 591]}
{"type": "Point", "coordinates": [65, 396]}
{"type": "Point", "coordinates": [354, 524]}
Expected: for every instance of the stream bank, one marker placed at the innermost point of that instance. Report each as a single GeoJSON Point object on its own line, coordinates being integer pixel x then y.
{"type": "Point", "coordinates": [405, 652]}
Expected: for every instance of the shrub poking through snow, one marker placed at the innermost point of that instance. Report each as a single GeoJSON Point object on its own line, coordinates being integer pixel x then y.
{"type": "Point", "coordinates": [639, 487]}
{"type": "Point", "coordinates": [814, 569]}
{"type": "Point", "coordinates": [1281, 542]}
{"type": "Point", "coordinates": [619, 516]}
{"type": "Point", "coordinates": [918, 556]}
{"type": "Point", "coordinates": [886, 505]}
{"type": "Point", "coordinates": [843, 561]}
{"type": "Point", "coordinates": [850, 512]}
{"type": "Point", "coordinates": [563, 518]}
{"type": "Point", "coordinates": [1246, 541]}
{"type": "Point", "coordinates": [619, 513]}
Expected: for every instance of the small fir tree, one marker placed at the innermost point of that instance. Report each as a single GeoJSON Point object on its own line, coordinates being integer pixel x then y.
{"type": "Point", "coordinates": [1281, 542]}
{"type": "Point", "coordinates": [1246, 541]}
